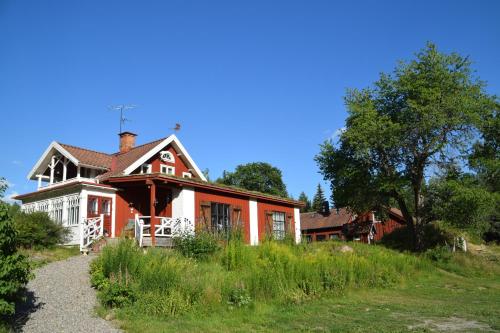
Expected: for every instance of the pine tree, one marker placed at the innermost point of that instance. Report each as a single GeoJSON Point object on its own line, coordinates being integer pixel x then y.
{"type": "Point", "coordinates": [303, 197]}
{"type": "Point", "coordinates": [319, 198]}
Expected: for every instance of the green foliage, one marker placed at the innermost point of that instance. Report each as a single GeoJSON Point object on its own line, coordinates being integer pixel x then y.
{"type": "Point", "coordinates": [239, 297]}
{"type": "Point", "coordinates": [425, 113]}
{"type": "Point", "coordinates": [318, 200]}
{"type": "Point", "coordinates": [461, 202]}
{"type": "Point", "coordinates": [15, 270]}
{"type": "Point", "coordinates": [307, 203]}
{"type": "Point", "coordinates": [37, 230]}
{"type": "Point", "coordinates": [198, 246]}
{"type": "Point", "coordinates": [258, 176]}
{"type": "Point", "coordinates": [440, 254]}
{"type": "Point", "coordinates": [166, 283]}
{"type": "Point", "coordinates": [434, 235]}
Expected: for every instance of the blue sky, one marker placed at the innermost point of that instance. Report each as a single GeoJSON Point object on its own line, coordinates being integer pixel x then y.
{"type": "Point", "coordinates": [248, 80]}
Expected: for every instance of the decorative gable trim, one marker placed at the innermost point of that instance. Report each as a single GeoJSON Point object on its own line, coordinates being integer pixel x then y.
{"type": "Point", "coordinates": [172, 139]}
{"type": "Point", "coordinates": [60, 149]}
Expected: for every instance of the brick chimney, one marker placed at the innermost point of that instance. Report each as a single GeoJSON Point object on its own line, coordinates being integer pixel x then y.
{"type": "Point", "coordinates": [127, 141]}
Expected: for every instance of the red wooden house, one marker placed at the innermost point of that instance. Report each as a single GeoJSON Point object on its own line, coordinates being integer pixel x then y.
{"type": "Point", "coordinates": [341, 224]}
{"type": "Point", "coordinates": [154, 190]}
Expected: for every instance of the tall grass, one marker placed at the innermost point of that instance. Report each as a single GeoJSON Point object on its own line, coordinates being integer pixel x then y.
{"type": "Point", "coordinates": [165, 283]}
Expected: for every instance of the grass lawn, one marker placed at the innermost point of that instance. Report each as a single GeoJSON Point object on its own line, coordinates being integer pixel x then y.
{"type": "Point", "coordinates": [44, 256]}
{"type": "Point", "coordinates": [459, 295]}
{"type": "Point", "coordinates": [442, 301]}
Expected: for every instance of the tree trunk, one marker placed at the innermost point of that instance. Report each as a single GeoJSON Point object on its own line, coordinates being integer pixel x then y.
{"type": "Point", "coordinates": [408, 219]}
{"type": "Point", "coordinates": [418, 202]}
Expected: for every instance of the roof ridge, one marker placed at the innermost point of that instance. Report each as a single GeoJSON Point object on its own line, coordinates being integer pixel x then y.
{"type": "Point", "coordinates": [91, 150]}
{"type": "Point", "coordinates": [139, 146]}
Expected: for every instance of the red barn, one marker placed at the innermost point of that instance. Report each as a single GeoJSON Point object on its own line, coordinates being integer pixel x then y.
{"type": "Point", "coordinates": [341, 224]}
{"type": "Point", "coordinates": [152, 191]}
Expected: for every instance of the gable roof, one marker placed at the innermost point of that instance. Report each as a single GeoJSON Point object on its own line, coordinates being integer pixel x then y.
{"type": "Point", "coordinates": [116, 163]}
{"type": "Point", "coordinates": [172, 139]}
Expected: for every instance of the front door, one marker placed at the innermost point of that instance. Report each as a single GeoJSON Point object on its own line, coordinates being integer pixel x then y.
{"type": "Point", "coordinates": [100, 205]}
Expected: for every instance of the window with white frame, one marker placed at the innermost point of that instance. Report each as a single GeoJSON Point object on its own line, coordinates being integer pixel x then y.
{"type": "Point", "coordinates": [187, 175]}
{"type": "Point", "coordinates": [93, 206]}
{"type": "Point", "coordinates": [167, 169]}
{"type": "Point", "coordinates": [73, 209]}
{"type": "Point", "coordinates": [278, 225]}
{"type": "Point", "coordinates": [145, 168]}
{"type": "Point", "coordinates": [106, 206]}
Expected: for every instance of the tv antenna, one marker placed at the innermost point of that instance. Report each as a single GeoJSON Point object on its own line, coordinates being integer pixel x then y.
{"type": "Point", "coordinates": [122, 108]}
{"type": "Point", "coordinates": [177, 127]}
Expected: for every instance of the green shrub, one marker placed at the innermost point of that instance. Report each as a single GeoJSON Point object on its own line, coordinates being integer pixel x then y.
{"type": "Point", "coordinates": [434, 234]}
{"type": "Point", "coordinates": [239, 297]}
{"type": "Point", "coordinates": [116, 294]}
{"type": "Point", "coordinates": [199, 246]}
{"type": "Point", "coordinates": [15, 270]}
{"type": "Point", "coordinates": [37, 230]}
{"type": "Point", "coordinates": [441, 254]}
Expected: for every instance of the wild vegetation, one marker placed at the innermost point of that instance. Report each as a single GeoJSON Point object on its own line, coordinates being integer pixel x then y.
{"type": "Point", "coordinates": [154, 288]}
{"type": "Point", "coordinates": [168, 283]}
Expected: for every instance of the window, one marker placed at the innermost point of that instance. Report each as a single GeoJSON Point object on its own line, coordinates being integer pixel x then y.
{"type": "Point", "coordinates": [278, 225]}
{"type": "Point", "coordinates": [106, 207]}
{"type": "Point", "coordinates": [145, 168]}
{"type": "Point", "coordinates": [167, 169]}
{"type": "Point", "coordinates": [221, 221]}
{"type": "Point", "coordinates": [334, 236]}
{"type": "Point", "coordinates": [187, 175]}
{"type": "Point", "coordinates": [320, 238]}
{"type": "Point", "coordinates": [93, 208]}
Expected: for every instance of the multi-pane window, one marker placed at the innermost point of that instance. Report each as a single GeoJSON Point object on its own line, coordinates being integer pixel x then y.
{"type": "Point", "coordinates": [221, 220]}
{"type": "Point", "coordinates": [167, 169]}
{"type": "Point", "coordinates": [106, 207]}
{"type": "Point", "coordinates": [73, 209]}
{"type": "Point", "coordinates": [93, 208]}
{"type": "Point", "coordinates": [278, 225]}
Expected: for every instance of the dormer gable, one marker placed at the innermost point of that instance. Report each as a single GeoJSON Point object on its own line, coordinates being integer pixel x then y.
{"type": "Point", "coordinates": [169, 157]}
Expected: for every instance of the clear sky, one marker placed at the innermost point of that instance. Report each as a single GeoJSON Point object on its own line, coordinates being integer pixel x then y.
{"type": "Point", "coordinates": [247, 80]}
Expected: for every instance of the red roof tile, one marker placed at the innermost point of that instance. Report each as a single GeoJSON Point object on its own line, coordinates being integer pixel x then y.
{"type": "Point", "coordinates": [89, 157]}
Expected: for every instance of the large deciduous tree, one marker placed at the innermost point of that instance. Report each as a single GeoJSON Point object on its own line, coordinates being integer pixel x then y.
{"type": "Point", "coordinates": [411, 121]}
{"type": "Point", "coordinates": [257, 176]}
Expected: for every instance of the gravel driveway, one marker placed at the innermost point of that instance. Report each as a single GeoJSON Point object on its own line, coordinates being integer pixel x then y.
{"type": "Point", "coordinates": [60, 299]}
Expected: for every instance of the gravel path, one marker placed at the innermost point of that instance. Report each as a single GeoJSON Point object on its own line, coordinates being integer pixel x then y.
{"type": "Point", "coordinates": [60, 299]}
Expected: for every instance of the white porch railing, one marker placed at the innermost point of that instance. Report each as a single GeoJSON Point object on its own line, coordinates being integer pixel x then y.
{"type": "Point", "coordinates": [168, 227]}
{"type": "Point", "coordinates": [90, 229]}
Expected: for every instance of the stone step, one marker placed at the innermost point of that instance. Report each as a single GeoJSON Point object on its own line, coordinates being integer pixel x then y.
{"type": "Point", "coordinates": [160, 241]}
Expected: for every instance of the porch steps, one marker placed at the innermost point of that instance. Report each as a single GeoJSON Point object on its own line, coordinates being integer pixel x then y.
{"type": "Point", "coordinates": [160, 241]}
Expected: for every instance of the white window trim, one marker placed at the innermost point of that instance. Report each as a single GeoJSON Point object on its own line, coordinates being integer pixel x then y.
{"type": "Point", "coordinates": [149, 168]}
{"type": "Point", "coordinates": [165, 167]}
{"type": "Point", "coordinates": [187, 175]}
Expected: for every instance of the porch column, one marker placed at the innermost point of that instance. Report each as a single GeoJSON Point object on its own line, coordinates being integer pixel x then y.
{"type": "Point", "coordinates": [65, 168]}
{"type": "Point", "coordinates": [52, 167]}
{"type": "Point", "coordinates": [152, 212]}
